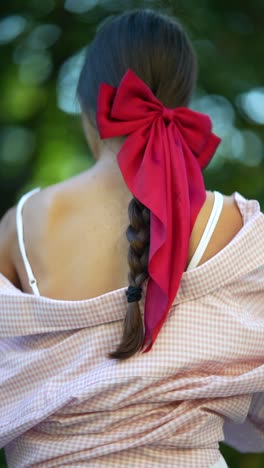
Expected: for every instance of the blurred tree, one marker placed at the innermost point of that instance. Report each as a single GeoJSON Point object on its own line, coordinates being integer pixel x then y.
{"type": "Point", "coordinates": [41, 140]}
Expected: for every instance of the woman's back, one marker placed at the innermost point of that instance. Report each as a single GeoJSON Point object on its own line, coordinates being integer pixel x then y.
{"type": "Point", "coordinates": [75, 241]}
{"type": "Point", "coordinates": [77, 247]}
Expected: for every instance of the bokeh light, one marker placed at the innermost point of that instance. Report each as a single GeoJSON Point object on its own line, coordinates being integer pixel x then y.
{"type": "Point", "coordinates": [16, 147]}
{"type": "Point", "coordinates": [34, 66]}
{"type": "Point", "coordinates": [67, 82]}
{"type": "Point", "coordinates": [43, 36]}
{"type": "Point", "coordinates": [11, 27]}
{"type": "Point", "coordinates": [80, 6]}
{"type": "Point", "coordinates": [252, 104]}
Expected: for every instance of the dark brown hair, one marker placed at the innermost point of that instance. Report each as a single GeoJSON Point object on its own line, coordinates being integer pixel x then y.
{"type": "Point", "coordinates": [158, 50]}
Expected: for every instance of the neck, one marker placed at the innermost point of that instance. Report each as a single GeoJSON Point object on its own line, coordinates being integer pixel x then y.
{"type": "Point", "coordinates": [106, 171]}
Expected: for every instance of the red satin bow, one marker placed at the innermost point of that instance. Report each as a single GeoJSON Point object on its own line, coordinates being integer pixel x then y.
{"type": "Point", "coordinates": [161, 162]}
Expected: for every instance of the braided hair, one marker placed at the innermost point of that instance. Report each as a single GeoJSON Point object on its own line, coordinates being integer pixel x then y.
{"type": "Point", "coordinates": [138, 235]}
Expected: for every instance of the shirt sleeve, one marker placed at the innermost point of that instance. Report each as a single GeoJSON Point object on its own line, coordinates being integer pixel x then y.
{"type": "Point", "coordinates": [249, 436]}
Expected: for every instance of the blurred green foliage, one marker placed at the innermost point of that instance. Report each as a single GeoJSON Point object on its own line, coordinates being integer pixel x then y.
{"type": "Point", "coordinates": [41, 139]}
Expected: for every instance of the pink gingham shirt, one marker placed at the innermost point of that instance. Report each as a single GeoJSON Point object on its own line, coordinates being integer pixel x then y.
{"type": "Point", "coordinates": [64, 403]}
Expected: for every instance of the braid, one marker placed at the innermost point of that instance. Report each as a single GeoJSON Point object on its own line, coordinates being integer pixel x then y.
{"type": "Point", "coordinates": [138, 234]}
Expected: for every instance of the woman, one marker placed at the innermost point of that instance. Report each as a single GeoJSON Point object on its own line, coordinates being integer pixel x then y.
{"type": "Point", "coordinates": [188, 364]}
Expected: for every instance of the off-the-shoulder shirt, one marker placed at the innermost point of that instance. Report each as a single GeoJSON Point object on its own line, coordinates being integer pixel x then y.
{"type": "Point", "coordinates": [65, 403]}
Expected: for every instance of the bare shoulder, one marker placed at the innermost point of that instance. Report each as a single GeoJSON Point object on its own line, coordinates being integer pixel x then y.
{"type": "Point", "coordinates": [7, 240]}
{"type": "Point", "coordinates": [232, 220]}
{"type": "Point", "coordinates": [229, 224]}
{"type": "Point", "coordinates": [7, 226]}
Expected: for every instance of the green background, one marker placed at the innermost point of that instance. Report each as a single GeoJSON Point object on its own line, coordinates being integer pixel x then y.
{"type": "Point", "coordinates": [41, 140]}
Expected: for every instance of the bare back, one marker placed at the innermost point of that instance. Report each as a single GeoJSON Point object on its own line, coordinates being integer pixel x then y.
{"type": "Point", "coordinates": [75, 239]}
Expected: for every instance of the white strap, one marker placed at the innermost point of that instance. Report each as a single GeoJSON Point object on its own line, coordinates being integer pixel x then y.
{"type": "Point", "coordinates": [19, 224]}
{"type": "Point", "coordinates": [212, 221]}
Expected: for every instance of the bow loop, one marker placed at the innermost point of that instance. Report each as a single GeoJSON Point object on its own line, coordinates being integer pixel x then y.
{"type": "Point", "coordinates": [161, 165]}
{"type": "Point", "coordinates": [195, 129]}
{"type": "Point", "coordinates": [115, 114]}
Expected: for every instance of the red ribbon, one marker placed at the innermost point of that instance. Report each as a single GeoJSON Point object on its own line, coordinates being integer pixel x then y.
{"type": "Point", "coordinates": [161, 162]}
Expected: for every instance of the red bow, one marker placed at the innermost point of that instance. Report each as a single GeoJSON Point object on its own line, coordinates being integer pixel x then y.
{"type": "Point", "coordinates": [161, 162]}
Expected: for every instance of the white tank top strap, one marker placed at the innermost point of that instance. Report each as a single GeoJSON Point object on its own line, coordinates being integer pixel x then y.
{"type": "Point", "coordinates": [209, 229]}
{"type": "Point", "coordinates": [19, 224]}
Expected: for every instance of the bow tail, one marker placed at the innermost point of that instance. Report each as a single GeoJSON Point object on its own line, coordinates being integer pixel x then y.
{"type": "Point", "coordinates": [167, 263]}
{"type": "Point", "coordinates": [196, 186]}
